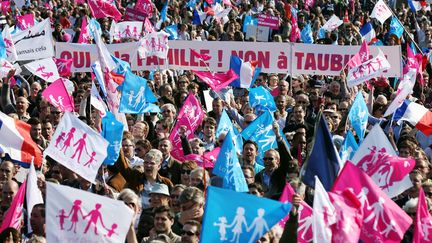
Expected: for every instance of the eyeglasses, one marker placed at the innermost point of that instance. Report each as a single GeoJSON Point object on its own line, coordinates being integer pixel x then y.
{"type": "Point", "coordinates": [189, 233]}
{"type": "Point", "coordinates": [185, 171]}
{"type": "Point", "coordinates": [268, 158]}
{"type": "Point", "coordinates": [127, 145]}
{"type": "Point", "coordinates": [56, 112]}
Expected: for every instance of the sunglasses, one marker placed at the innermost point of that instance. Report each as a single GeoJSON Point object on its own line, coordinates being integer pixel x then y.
{"type": "Point", "coordinates": [182, 171]}
{"type": "Point", "coordinates": [268, 158]}
{"type": "Point", "coordinates": [189, 233]}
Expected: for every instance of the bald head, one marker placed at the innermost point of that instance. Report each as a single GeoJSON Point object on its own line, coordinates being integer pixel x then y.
{"type": "Point", "coordinates": [10, 189]}
{"type": "Point", "coordinates": [7, 171]}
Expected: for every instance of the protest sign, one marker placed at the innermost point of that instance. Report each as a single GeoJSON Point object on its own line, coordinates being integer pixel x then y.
{"type": "Point", "coordinates": [270, 21]}
{"type": "Point", "coordinates": [272, 57]}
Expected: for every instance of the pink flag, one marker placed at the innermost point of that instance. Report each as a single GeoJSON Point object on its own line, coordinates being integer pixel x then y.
{"type": "Point", "coordinates": [64, 66]}
{"type": "Point", "coordinates": [84, 36]}
{"type": "Point", "coordinates": [191, 116]}
{"type": "Point", "coordinates": [227, 2]}
{"type": "Point", "coordinates": [349, 217]}
{"type": "Point", "coordinates": [14, 214]}
{"type": "Point", "coordinates": [383, 219]}
{"type": "Point", "coordinates": [423, 223]}
{"type": "Point", "coordinates": [206, 160]}
{"type": "Point", "coordinates": [295, 31]}
{"type": "Point", "coordinates": [148, 26]}
{"type": "Point", "coordinates": [79, 1]}
{"type": "Point", "coordinates": [411, 61]}
{"type": "Point", "coordinates": [419, 58]}
{"type": "Point", "coordinates": [58, 96]}
{"type": "Point", "coordinates": [25, 21]}
{"type": "Point", "coordinates": [145, 7]}
{"type": "Point", "coordinates": [304, 230]}
{"type": "Point", "coordinates": [216, 81]}
{"type": "Point", "coordinates": [203, 57]}
{"type": "Point", "coordinates": [309, 3]}
{"type": "Point", "coordinates": [360, 57]}
{"type": "Point", "coordinates": [5, 7]}
{"type": "Point", "coordinates": [103, 9]}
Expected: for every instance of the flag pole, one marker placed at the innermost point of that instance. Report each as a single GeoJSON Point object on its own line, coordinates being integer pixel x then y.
{"type": "Point", "coordinates": [408, 34]}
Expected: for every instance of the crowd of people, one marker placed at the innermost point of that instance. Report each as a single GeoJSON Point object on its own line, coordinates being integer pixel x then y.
{"type": "Point", "coordinates": [167, 195]}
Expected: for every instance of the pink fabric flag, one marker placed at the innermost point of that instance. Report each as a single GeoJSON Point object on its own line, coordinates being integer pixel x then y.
{"type": "Point", "coordinates": [14, 214]}
{"type": "Point", "coordinates": [191, 116]}
{"type": "Point", "coordinates": [25, 21]}
{"type": "Point", "coordinates": [5, 7]}
{"type": "Point", "coordinates": [145, 7]}
{"type": "Point", "coordinates": [84, 36]}
{"type": "Point", "coordinates": [203, 57]}
{"type": "Point", "coordinates": [309, 4]}
{"type": "Point", "coordinates": [58, 96]}
{"type": "Point", "coordinates": [360, 57]}
{"type": "Point", "coordinates": [79, 1]}
{"type": "Point", "coordinates": [383, 219]}
{"type": "Point", "coordinates": [411, 61]}
{"type": "Point", "coordinates": [227, 2]}
{"type": "Point", "coordinates": [103, 9]}
{"type": "Point", "coordinates": [64, 66]}
{"type": "Point", "coordinates": [419, 58]}
{"type": "Point", "coordinates": [377, 158]}
{"type": "Point", "coordinates": [148, 26]}
{"type": "Point", "coordinates": [295, 31]}
{"type": "Point", "coordinates": [216, 81]}
{"type": "Point", "coordinates": [423, 223]}
{"type": "Point", "coordinates": [206, 160]}
{"type": "Point", "coordinates": [349, 217]}
{"type": "Point", "coordinates": [304, 230]}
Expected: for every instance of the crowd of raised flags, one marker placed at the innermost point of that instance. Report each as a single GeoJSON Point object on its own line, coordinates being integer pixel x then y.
{"type": "Point", "coordinates": [235, 156]}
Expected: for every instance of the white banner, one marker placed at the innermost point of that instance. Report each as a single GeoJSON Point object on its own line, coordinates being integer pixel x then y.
{"type": "Point", "coordinates": [272, 57]}
{"type": "Point", "coordinates": [74, 216]}
{"type": "Point", "coordinates": [35, 42]}
{"type": "Point", "coordinates": [78, 147]}
{"type": "Point", "coordinates": [45, 69]}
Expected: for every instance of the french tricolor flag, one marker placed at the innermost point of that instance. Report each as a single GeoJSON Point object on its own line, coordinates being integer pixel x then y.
{"type": "Point", "coordinates": [15, 140]}
{"type": "Point", "coordinates": [368, 33]}
{"type": "Point", "coordinates": [416, 114]}
{"type": "Point", "coordinates": [247, 72]}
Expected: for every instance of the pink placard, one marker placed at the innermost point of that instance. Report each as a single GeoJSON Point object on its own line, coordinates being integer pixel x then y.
{"type": "Point", "coordinates": [270, 21]}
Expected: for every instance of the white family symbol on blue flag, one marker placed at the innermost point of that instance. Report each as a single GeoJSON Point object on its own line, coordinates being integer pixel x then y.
{"type": "Point", "coordinates": [136, 95]}
{"type": "Point", "coordinates": [239, 217]}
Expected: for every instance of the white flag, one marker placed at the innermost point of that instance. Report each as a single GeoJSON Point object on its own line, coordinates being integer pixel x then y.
{"type": "Point", "coordinates": [332, 23]}
{"type": "Point", "coordinates": [372, 153]}
{"type": "Point", "coordinates": [381, 11]}
{"type": "Point", "coordinates": [34, 43]}
{"type": "Point", "coordinates": [370, 69]}
{"type": "Point", "coordinates": [404, 89]}
{"type": "Point", "coordinates": [154, 44]}
{"type": "Point", "coordinates": [10, 47]}
{"type": "Point", "coordinates": [324, 214]}
{"type": "Point", "coordinates": [33, 194]}
{"type": "Point", "coordinates": [74, 215]}
{"type": "Point", "coordinates": [78, 147]}
{"type": "Point", "coordinates": [45, 69]}
{"type": "Point", "coordinates": [126, 29]}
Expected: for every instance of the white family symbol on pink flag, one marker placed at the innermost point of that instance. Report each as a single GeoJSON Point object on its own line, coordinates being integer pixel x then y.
{"type": "Point", "coordinates": [75, 214]}
{"type": "Point", "coordinates": [377, 158]}
{"type": "Point", "coordinates": [57, 94]}
{"type": "Point", "coordinates": [190, 115]}
{"type": "Point", "coordinates": [45, 69]}
{"type": "Point", "coordinates": [383, 220]}
{"type": "Point", "coordinates": [78, 147]}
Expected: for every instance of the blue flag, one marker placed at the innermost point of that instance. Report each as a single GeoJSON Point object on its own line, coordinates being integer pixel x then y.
{"type": "Point", "coordinates": [112, 131]}
{"type": "Point", "coordinates": [239, 217]}
{"type": "Point", "coordinates": [225, 125]}
{"type": "Point", "coordinates": [249, 20]}
{"type": "Point", "coordinates": [321, 33]}
{"type": "Point", "coordinates": [261, 99]}
{"type": "Point", "coordinates": [163, 13]}
{"type": "Point", "coordinates": [172, 30]}
{"type": "Point", "coordinates": [2, 48]}
{"type": "Point", "coordinates": [395, 27]}
{"type": "Point", "coordinates": [121, 66]}
{"type": "Point", "coordinates": [136, 95]}
{"type": "Point", "coordinates": [94, 28]}
{"type": "Point", "coordinates": [306, 34]}
{"type": "Point", "coordinates": [358, 116]}
{"type": "Point", "coordinates": [348, 148]}
{"type": "Point", "coordinates": [261, 132]}
{"type": "Point", "coordinates": [228, 167]}
{"type": "Point", "coordinates": [191, 4]}
{"type": "Point", "coordinates": [323, 160]}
